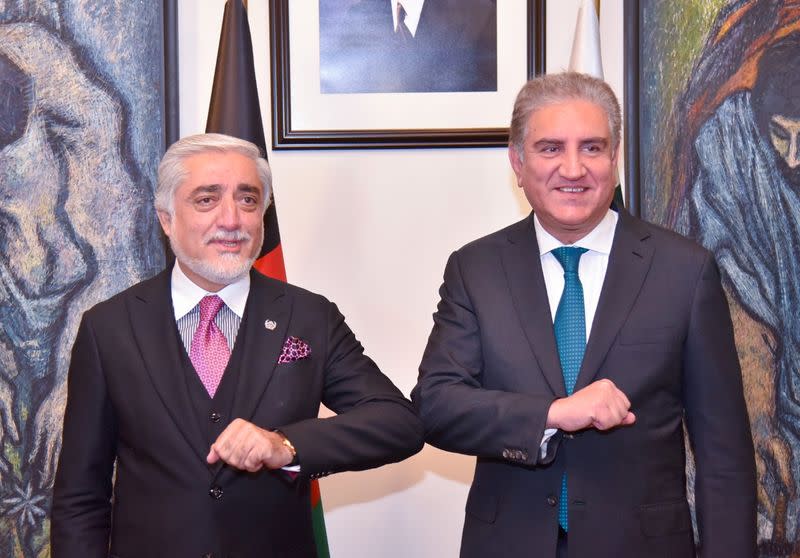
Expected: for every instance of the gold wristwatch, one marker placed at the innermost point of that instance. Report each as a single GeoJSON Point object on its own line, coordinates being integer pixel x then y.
{"type": "Point", "coordinates": [288, 445]}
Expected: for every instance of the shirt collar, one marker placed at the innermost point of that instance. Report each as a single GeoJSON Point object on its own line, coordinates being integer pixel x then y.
{"type": "Point", "coordinates": [598, 240]}
{"type": "Point", "coordinates": [413, 10]}
{"type": "Point", "coordinates": [186, 295]}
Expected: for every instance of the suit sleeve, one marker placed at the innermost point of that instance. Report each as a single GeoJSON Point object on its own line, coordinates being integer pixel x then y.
{"type": "Point", "coordinates": [458, 412]}
{"type": "Point", "coordinates": [375, 424]}
{"type": "Point", "coordinates": [81, 513]}
{"type": "Point", "coordinates": [717, 421]}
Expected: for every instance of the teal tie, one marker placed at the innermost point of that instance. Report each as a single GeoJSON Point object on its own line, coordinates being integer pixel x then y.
{"type": "Point", "coordinates": [570, 330]}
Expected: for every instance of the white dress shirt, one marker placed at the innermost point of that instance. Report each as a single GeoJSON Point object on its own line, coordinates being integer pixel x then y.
{"type": "Point", "coordinates": [591, 271]}
{"type": "Point", "coordinates": [413, 10]}
{"type": "Point", "coordinates": [186, 295]}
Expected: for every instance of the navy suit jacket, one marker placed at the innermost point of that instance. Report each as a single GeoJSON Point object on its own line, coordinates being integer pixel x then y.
{"type": "Point", "coordinates": [128, 403]}
{"type": "Point", "coordinates": [662, 333]}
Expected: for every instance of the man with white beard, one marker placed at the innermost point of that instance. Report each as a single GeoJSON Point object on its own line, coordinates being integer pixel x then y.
{"type": "Point", "coordinates": [204, 384]}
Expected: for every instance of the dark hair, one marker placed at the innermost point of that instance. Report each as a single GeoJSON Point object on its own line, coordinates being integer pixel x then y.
{"type": "Point", "coordinates": [778, 82]}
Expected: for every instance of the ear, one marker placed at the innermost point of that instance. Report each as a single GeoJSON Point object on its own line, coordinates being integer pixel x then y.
{"type": "Point", "coordinates": [166, 221]}
{"type": "Point", "coordinates": [615, 156]}
{"type": "Point", "coordinates": [516, 163]}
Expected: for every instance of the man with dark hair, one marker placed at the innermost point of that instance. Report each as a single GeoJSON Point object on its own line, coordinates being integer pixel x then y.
{"type": "Point", "coordinates": [193, 396]}
{"type": "Point", "coordinates": [569, 350]}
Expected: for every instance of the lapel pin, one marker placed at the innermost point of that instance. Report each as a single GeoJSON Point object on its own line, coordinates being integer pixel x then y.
{"type": "Point", "coordinates": [270, 324]}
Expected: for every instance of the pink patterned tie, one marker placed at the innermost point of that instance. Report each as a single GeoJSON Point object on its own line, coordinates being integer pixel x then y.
{"type": "Point", "coordinates": [210, 352]}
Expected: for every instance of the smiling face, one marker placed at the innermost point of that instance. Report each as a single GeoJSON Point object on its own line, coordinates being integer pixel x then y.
{"type": "Point", "coordinates": [567, 167]}
{"type": "Point", "coordinates": [216, 229]}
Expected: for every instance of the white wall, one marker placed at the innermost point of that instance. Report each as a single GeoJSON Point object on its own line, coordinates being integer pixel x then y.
{"type": "Point", "coordinates": [372, 229]}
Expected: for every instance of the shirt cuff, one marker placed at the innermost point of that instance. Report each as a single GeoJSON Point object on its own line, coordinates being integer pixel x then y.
{"type": "Point", "coordinates": [548, 433]}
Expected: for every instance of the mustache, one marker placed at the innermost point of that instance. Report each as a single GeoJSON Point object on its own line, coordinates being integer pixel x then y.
{"type": "Point", "coordinates": [227, 236]}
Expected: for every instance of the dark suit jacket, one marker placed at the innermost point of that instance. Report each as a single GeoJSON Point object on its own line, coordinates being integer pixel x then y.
{"type": "Point", "coordinates": [454, 49]}
{"type": "Point", "coordinates": [662, 333]}
{"type": "Point", "coordinates": [128, 401]}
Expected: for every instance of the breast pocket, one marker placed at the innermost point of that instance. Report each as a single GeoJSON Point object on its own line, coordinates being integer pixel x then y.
{"type": "Point", "coordinates": [651, 335]}
{"type": "Point", "coordinates": [295, 389]}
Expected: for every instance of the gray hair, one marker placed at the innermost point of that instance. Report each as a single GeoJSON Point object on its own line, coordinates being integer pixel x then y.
{"type": "Point", "coordinates": [171, 171]}
{"type": "Point", "coordinates": [550, 89]}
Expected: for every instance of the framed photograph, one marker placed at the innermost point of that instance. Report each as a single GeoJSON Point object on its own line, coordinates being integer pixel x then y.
{"type": "Point", "coordinates": [366, 74]}
{"type": "Point", "coordinates": [88, 103]}
{"type": "Point", "coordinates": [713, 125]}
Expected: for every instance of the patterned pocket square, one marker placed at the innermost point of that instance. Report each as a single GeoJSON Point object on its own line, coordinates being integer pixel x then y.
{"type": "Point", "coordinates": [294, 349]}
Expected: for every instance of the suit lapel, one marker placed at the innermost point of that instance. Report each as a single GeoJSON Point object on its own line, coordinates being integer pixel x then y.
{"type": "Point", "coordinates": [523, 268]}
{"type": "Point", "coordinates": [262, 346]}
{"type": "Point", "coordinates": [156, 335]}
{"type": "Point", "coordinates": [628, 265]}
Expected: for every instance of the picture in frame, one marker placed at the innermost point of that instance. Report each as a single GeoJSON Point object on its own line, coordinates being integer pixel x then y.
{"type": "Point", "coordinates": [712, 125]}
{"type": "Point", "coordinates": [310, 110]}
{"type": "Point", "coordinates": [88, 103]}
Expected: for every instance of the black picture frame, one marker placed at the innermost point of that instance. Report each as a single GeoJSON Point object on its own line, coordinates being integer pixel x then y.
{"type": "Point", "coordinates": [286, 135]}
{"type": "Point", "coordinates": [171, 104]}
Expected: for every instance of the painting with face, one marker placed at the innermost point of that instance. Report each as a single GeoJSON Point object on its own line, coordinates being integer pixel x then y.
{"type": "Point", "coordinates": [719, 157]}
{"type": "Point", "coordinates": [81, 125]}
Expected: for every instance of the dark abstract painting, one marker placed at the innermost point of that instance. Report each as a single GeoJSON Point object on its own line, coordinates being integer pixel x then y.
{"type": "Point", "coordinates": [719, 111]}
{"type": "Point", "coordinates": [81, 133]}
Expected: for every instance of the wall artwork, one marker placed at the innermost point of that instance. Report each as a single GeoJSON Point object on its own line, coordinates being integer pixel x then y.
{"type": "Point", "coordinates": [81, 132]}
{"type": "Point", "coordinates": [444, 46]}
{"type": "Point", "coordinates": [368, 74]}
{"type": "Point", "coordinates": [713, 112]}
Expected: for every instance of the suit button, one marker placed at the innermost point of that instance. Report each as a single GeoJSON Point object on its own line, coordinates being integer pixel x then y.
{"type": "Point", "coordinates": [215, 417]}
{"type": "Point", "coordinates": [551, 501]}
{"type": "Point", "coordinates": [215, 492]}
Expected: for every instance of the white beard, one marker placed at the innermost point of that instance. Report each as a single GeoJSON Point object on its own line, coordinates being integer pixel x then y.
{"type": "Point", "coordinates": [229, 269]}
